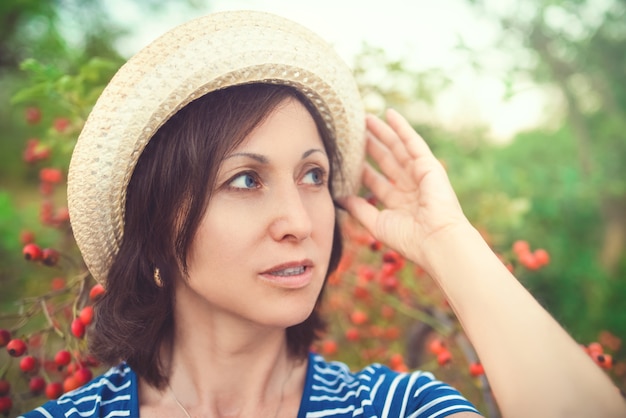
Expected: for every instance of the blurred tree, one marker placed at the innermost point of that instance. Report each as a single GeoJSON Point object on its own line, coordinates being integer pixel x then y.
{"type": "Point", "coordinates": [579, 47]}
{"type": "Point", "coordinates": [572, 172]}
{"type": "Point", "coordinates": [34, 28]}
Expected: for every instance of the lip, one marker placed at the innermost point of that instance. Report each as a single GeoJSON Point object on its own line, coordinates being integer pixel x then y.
{"type": "Point", "coordinates": [289, 282]}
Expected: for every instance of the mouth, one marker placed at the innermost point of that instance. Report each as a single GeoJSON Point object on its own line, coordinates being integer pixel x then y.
{"type": "Point", "coordinates": [290, 271]}
{"type": "Point", "coordinates": [290, 275]}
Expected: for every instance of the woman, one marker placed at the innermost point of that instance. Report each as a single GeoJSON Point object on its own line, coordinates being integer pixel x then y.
{"type": "Point", "coordinates": [202, 193]}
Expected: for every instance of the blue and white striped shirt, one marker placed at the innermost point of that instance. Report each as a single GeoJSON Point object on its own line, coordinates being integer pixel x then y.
{"type": "Point", "coordinates": [331, 390]}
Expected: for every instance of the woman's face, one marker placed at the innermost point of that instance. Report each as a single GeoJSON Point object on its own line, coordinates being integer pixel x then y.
{"type": "Point", "coordinates": [262, 250]}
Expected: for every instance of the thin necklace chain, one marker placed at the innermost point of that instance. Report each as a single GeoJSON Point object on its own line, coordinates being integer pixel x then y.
{"type": "Point", "coordinates": [280, 404]}
{"type": "Point", "coordinates": [180, 405]}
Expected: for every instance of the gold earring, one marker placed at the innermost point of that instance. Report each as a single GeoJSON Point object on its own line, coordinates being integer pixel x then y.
{"type": "Point", "coordinates": [157, 277]}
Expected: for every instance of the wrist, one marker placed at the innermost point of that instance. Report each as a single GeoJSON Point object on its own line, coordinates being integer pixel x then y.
{"type": "Point", "coordinates": [448, 244]}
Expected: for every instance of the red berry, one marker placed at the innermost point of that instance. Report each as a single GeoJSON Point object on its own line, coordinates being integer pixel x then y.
{"type": "Point", "coordinates": [54, 390]}
{"type": "Point", "coordinates": [27, 237]}
{"type": "Point", "coordinates": [529, 261]}
{"type": "Point", "coordinates": [595, 348]}
{"type": "Point", "coordinates": [392, 333]}
{"type": "Point", "coordinates": [394, 258]}
{"type": "Point", "coordinates": [83, 375]}
{"type": "Point", "coordinates": [90, 361]}
{"type": "Point", "coordinates": [71, 368]}
{"type": "Point", "coordinates": [16, 347]}
{"type": "Point", "coordinates": [365, 274]}
{"type": "Point", "coordinates": [32, 252]}
{"type": "Point", "coordinates": [62, 358]}
{"type": "Point", "coordinates": [5, 387]}
{"type": "Point", "coordinates": [5, 405]}
{"type": "Point", "coordinates": [78, 328]}
{"type": "Point", "coordinates": [375, 245]}
{"type": "Point", "coordinates": [5, 337]}
{"type": "Point", "coordinates": [604, 360]}
{"type": "Point", "coordinates": [46, 188]}
{"type": "Point", "coordinates": [329, 347]}
{"type": "Point", "coordinates": [437, 346]}
{"type": "Point", "coordinates": [389, 283]}
{"type": "Point", "coordinates": [388, 269]}
{"type": "Point", "coordinates": [57, 283]}
{"type": "Point", "coordinates": [36, 385]}
{"type": "Point", "coordinates": [444, 357]}
{"type": "Point", "coordinates": [28, 364]}
{"type": "Point", "coordinates": [358, 317]}
{"type": "Point", "coordinates": [476, 369]}
{"type": "Point", "coordinates": [29, 154]}
{"type": "Point", "coordinates": [42, 152]}
{"type": "Point", "coordinates": [520, 247]}
{"type": "Point", "coordinates": [70, 383]}
{"type": "Point", "coordinates": [61, 124]}
{"type": "Point", "coordinates": [62, 215]}
{"type": "Point", "coordinates": [50, 175]}
{"type": "Point", "coordinates": [45, 212]}
{"type": "Point", "coordinates": [86, 315]}
{"type": "Point", "coordinates": [96, 291]}
{"type": "Point", "coordinates": [352, 334]}
{"type": "Point", "coordinates": [50, 257]}
{"type": "Point", "coordinates": [542, 256]}
{"type": "Point", "coordinates": [32, 115]}
{"type": "Point", "coordinates": [361, 293]}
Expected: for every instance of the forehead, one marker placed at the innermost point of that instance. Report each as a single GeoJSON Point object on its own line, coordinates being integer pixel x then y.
{"type": "Point", "coordinates": [288, 125]}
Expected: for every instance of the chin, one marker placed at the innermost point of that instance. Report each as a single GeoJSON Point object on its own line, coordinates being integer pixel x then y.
{"type": "Point", "coordinates": [289, 314]}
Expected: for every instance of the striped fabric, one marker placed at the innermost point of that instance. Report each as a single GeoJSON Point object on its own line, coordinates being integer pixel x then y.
{"type": "Point", "coordinates": [113, 394]}
{"type": "Point", "coordinates": [331, 390]}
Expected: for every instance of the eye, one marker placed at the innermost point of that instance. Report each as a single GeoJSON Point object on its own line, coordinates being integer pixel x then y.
{"type": "Point", "coordinates": [244, 181]}
{"type": "Point", "coordinates": [316, 176]}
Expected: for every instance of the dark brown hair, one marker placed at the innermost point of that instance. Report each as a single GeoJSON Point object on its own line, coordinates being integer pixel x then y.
{"type": "Point", "coordinates": [166, 198]}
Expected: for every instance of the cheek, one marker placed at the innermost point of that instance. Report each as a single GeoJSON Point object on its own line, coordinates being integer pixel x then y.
{"type": "Point", "coordinates": [221, 238]}
{"type": "Point", "coordinates": [322, 215]}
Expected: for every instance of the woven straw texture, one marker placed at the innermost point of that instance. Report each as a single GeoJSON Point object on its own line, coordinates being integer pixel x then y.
{"type": "Point", "coordinates": [203, 55]}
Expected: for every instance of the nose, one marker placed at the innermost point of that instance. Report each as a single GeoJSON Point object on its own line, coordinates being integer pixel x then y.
{"type": "Point", "coordinates": [291, 220]}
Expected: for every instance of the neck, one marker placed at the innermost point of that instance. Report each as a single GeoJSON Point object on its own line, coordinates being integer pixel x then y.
{"type": "Point", "coordinates": [223, 366]}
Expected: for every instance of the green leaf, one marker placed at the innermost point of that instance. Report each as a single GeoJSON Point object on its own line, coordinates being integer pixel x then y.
{"type": "Point", "coordinates": [31, 93]}
{"type": "Point", "coordinates": [39, 71]}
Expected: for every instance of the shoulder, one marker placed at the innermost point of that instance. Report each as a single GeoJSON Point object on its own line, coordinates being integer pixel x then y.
{"type": "Point", "coordinates": [110, 394]}
{"type": "Point", "coordinates": [332, 389]}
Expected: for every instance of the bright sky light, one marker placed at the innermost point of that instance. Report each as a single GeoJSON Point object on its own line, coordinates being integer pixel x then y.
{"type": "Point", "coordinates": [424, 33]}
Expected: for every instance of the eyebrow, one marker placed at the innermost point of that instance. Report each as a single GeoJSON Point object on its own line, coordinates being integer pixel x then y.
{"type": "Point", "coordinates": [264, 160]}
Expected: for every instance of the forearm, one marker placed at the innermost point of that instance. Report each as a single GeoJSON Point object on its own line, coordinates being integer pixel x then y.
{"type": "Point", "coordinates": [534, 367]}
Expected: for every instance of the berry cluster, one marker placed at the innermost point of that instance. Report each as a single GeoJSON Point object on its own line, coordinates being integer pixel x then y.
{"type": "Point", "coordinates": [43, 374]}
{"type": "Point", "coordinates": [44, 352]}
{"type": "Point", "coordinates": [532, 260]}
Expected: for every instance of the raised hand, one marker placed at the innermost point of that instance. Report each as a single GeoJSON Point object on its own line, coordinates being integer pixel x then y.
{"type": "Point", "coordinates": [412, 185]}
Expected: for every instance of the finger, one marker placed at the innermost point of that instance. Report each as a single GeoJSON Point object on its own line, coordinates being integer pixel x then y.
{"type": "Point", "coordinates": [413, 142]}
{"type": "Point", "coordinates": [362, 211]}
{"type": "Point", "coordinates": [389, 138]}
{"type": "Point", "coordinates": [385, 160]}
{"type": "Point", "coordinates": [376, 183]}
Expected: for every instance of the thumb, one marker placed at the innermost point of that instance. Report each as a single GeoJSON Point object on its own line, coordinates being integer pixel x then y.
{"type": "Point", "coordinates": [362, 211]}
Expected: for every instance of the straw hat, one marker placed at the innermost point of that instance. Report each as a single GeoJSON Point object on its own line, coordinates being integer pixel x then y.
{"type": "Point", "coordinates": [203, 55]}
